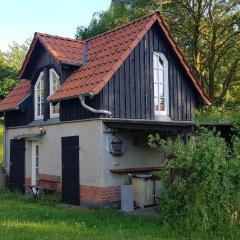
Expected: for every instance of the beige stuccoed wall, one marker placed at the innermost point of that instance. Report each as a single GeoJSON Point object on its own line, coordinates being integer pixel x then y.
{"type": "Point", "coordinates": [50, 149]}
{"type": "Point", "coordinates": [137, 154]}
{"type": "Point", "coordinates": [95, 158]}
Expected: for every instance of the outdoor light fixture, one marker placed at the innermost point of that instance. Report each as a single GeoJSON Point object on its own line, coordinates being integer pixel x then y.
{"type": "Point", "coordinates": [42, 130]}
{"type": "Point", "coordinates": [117, 147]}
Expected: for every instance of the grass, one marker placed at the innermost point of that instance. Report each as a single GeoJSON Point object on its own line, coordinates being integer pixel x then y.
{"type": "Point", "coordinates": [26, 218]}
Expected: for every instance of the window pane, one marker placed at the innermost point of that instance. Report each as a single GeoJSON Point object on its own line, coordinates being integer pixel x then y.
{"type": "Point", "coordinates": [42, 108]}
{"type": "Point", "coordinates": [156, 94]}
{"type": "Point", "coordinates": [56, 108]}
{"type": "Point", "coordinates": [162, 105]}
{"type": "Point", "coordinates": [160, 82]}
{"type": "Point", "coordinates": [156, 104]}
{"type": "Point", "coordinates": [155, 73]}
{"type": "Point", "coordinates": [160, 62]}
{"type": "Point", "coordinates": [161, 90]}
{"type": "Point", "coordinates": [37, 150]}
{"type": "Point", "coordinates": [160, 76]}
{"type": "Point", "coordinates": [155, 61]}
{"type": "Point", "coordinates": [38, 109]}
{"type": "Point", "coordinates": [54, 85]}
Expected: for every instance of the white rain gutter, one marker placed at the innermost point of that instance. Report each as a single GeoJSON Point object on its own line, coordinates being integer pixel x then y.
{"type": "Point", "coordinates": [84, 105]}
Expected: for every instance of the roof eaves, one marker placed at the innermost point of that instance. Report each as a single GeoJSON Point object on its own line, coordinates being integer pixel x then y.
{"type": "Point", "coordinates": [71, 63]}
{"type": "Point", "coordinates": [9, 110]}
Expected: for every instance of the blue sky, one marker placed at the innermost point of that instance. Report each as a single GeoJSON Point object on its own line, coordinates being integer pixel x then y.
{"type": "Point", "coordinates": [19, 19]}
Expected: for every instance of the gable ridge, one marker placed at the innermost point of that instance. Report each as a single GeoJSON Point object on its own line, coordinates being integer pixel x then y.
{"type": "Point", "coordinates": [38, 34]}
{"type": "Point", "coordinates": [120, 27]}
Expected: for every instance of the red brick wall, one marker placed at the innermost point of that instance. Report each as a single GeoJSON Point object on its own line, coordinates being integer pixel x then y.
{"type": "Point", "coordinates": [28, 181]}
{"type": "Point", "coordinates": [87, 193]}
{"type": "Point", "coordinates": [100, 194]}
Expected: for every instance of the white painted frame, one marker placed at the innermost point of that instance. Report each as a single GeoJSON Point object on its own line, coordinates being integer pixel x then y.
{"type": "Point", "coordinates": [165, 113]}
{"type": "Point", "coordinates": [51, 73]}
{"type": "Point", "coordinates": [36, 116]}
{"type": "Point", "coordinates": [34, 155]}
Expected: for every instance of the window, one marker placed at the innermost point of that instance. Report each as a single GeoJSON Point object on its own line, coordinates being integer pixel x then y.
{"type": "Point", "coordinates": [161, 92]}
{"type": "Point", "coordinates": [54, 85]}
{"type": "Point", "coordinates": [39, 97]}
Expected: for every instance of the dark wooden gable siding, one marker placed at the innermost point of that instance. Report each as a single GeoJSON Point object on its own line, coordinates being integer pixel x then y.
{"type": "Point", "coordinates": [40, 61]}
{"type": "Point", "coordinates": [129, 94]}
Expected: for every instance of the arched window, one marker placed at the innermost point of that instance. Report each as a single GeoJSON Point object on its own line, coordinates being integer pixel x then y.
{"type": "Point", "coordinates": [161, 90]}
{"type": "Point", "coordinates": [54, 85]}
{"type": "Point", "coordinates": [39, 97]}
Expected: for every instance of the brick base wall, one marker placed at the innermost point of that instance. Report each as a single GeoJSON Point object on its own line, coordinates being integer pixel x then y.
{"type": "Point", "coordinates": [100, 194]}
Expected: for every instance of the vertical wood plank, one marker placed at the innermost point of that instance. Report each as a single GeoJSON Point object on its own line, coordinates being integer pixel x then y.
{"type": "Point", "coordinates": [127, 88]}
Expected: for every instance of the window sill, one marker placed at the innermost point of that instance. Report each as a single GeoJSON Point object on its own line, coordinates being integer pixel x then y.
{"type": "Point", "coordinates": [162, 118]}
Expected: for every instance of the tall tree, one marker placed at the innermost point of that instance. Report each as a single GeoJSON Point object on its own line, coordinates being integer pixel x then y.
{"type": "Point", "coordinates": [208, 32]}
{"type": "Point", "coordinates": [10, 64]}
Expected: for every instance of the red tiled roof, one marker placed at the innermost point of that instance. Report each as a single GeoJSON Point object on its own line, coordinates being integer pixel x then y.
{"type": "Point", "coordinates": [108, 51]}
{"type": "Point", "coordinates": [64, 50]}
{"type": "Point", "coordinates": [16, 96]}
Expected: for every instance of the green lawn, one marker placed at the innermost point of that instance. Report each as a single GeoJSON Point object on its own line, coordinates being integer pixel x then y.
{"type": "Point", "coordinates": [25, 218]}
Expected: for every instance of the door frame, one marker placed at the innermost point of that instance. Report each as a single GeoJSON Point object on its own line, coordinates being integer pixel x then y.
{"type": "Point", "coordinates": [34, 145]}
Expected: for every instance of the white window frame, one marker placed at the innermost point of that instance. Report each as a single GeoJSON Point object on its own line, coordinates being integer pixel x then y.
{"type": "Point", "coordinates": [36, 116]}
{"type": "Point", "coordinates": [51, 73]}
{"type": "Point", "coordinates": [165, 113]}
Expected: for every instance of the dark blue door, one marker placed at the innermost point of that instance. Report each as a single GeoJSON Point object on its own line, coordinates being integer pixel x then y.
{"type": "Point", "coordinates": [17, 164]}
{"type": "Point", "coordinates": [70, 170]}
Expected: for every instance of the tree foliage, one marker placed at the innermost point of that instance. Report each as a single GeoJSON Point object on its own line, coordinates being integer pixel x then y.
{"type": "Point", "coordinates": [119, 13]}
{"type": "Point", "coordinates": [208, 31]}
{"type": "Point", "coordinates": [10, 64]}
{"type": "Point", "coordinates": [201, 183]}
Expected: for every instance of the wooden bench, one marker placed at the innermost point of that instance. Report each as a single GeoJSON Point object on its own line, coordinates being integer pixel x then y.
{"type": "Point", "coordinates": [46, 184]}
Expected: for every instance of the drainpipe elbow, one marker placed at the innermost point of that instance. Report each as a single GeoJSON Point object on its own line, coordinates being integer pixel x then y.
{"type": "Point", "coordinates": [84, 105]}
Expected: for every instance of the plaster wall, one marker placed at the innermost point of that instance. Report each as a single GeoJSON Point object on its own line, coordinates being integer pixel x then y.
{"type": "Point", "coordinates": [137, 154]}
{"type": "Point", "coordinates": [95, 158]}
{"type": "Point", "coordinates": [50, 162]}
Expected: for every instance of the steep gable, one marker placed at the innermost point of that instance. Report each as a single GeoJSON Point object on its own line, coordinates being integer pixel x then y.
{"type": "Point", "coordinates": [63, 50]}
{"type": "Point", "coordinates": [108, 51]}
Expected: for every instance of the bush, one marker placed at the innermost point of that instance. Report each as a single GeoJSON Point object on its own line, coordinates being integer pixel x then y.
{"type": "Point", "coordinates": [201, 182]}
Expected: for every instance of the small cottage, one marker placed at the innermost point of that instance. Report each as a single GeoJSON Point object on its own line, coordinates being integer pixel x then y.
{"type": "Point", "coordinates": [79, 117]}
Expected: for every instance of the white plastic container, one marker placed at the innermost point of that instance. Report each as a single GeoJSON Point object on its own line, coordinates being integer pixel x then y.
{"type": "Point", "coordinates": [127, 204]}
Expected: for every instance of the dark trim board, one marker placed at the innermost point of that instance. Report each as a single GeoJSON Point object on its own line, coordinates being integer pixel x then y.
{"type": "Point", "coordinates": [150, 125]}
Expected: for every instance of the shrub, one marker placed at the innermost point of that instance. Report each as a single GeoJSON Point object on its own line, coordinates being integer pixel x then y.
{"type": "Point", "coordinates": [201, 182]}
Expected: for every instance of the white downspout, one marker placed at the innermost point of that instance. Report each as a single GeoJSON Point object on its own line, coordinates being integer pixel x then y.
{"type": "Point", "coordinates": [82, 100]}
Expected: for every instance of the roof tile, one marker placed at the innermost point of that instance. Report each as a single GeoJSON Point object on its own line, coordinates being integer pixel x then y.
{"type": "Point", "coordinates": [106, 54]}
{"type": "Point", "coordinates": [16, 96]}
{"type": "Point", "coordinates": [63, 49]}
